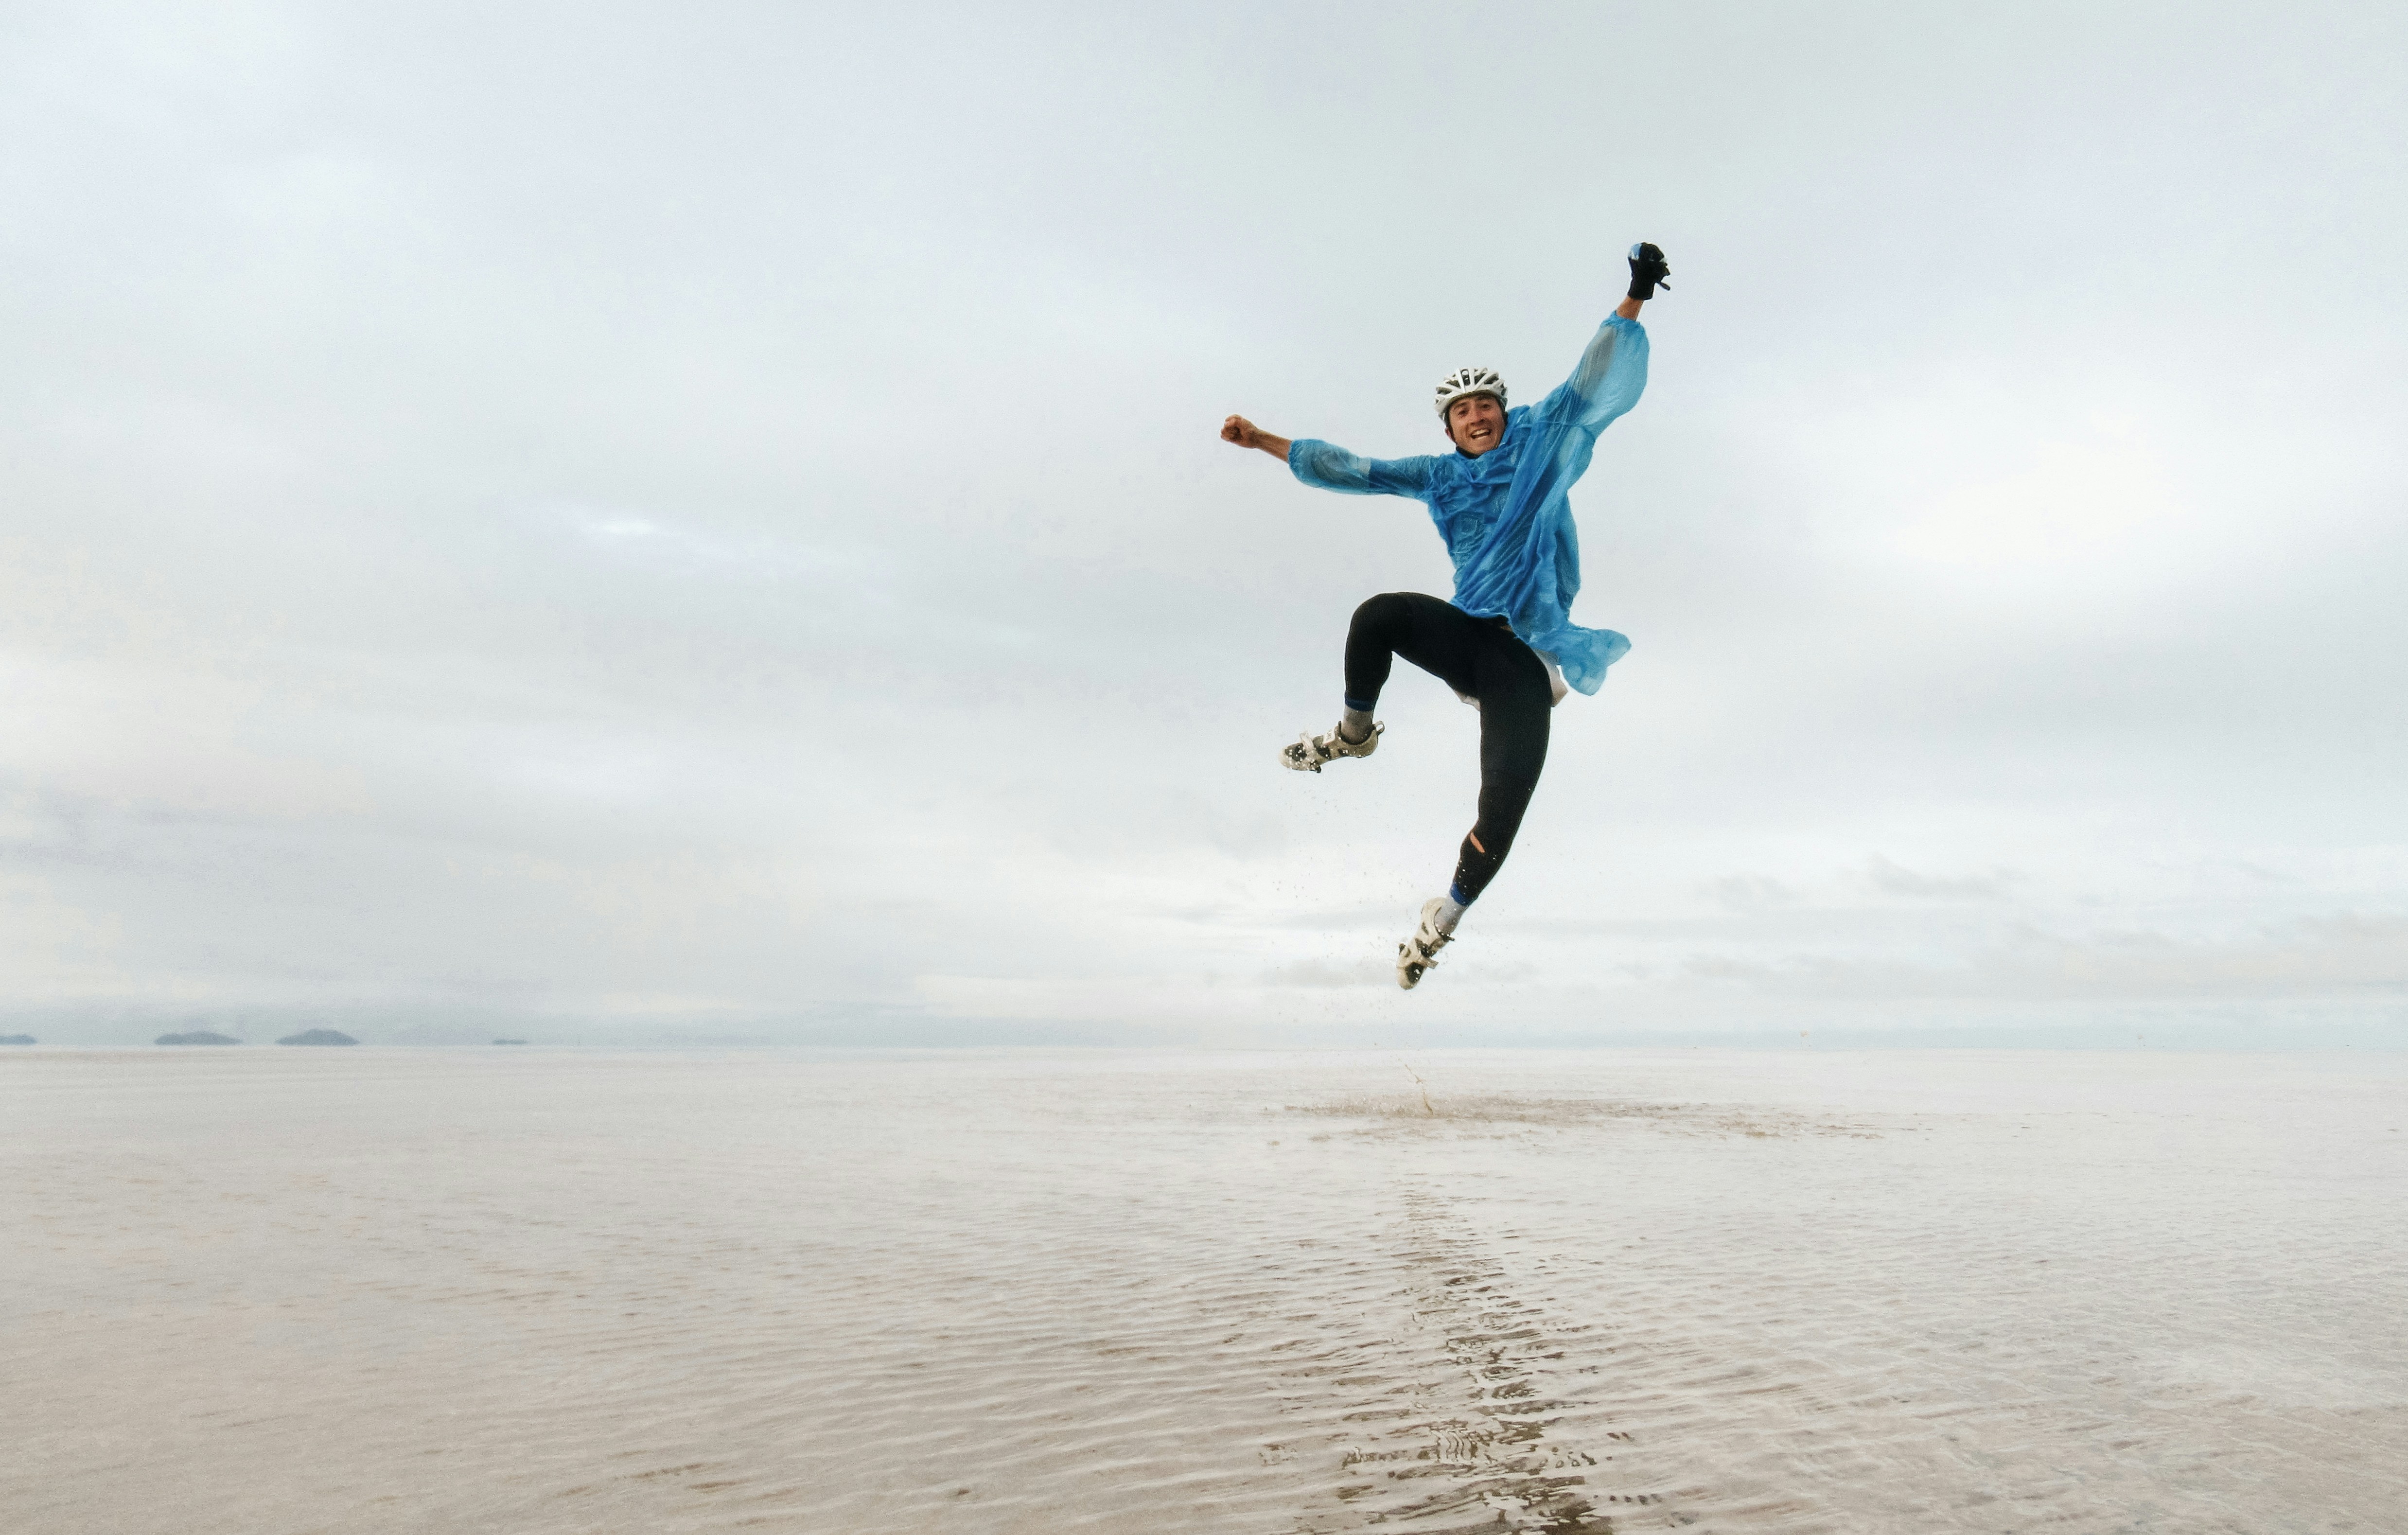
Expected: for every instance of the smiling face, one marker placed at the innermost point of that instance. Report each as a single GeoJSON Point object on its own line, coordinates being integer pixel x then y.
{"type": "Point", "coordinates": [1475, 423]}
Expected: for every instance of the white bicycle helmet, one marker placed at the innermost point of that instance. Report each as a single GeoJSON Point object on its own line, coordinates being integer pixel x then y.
{"type": "Point", "coordinates": [1469, 380]}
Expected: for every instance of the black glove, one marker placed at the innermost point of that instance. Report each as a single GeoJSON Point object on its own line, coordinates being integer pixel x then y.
{"type": "Point", "coordinates": [1647, 271]}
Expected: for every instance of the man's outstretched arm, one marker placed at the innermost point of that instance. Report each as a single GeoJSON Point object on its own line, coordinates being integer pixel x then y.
{"type": "Point", "coordinates": [1326, 466]}
{"type": "Point", "coordinates": [1245, 434]}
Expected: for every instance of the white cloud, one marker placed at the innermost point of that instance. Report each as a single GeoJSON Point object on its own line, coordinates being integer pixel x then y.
{"type": "Point", "coordinates": [720, 521]}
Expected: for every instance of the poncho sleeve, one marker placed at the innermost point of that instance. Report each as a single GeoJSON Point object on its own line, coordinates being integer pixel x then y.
{"type": "Point", "coordinates": [1328, 466]}
{"type": "Point", "coordinates": [1607, 381]}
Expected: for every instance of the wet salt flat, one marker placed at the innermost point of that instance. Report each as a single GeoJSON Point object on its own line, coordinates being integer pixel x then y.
{"type": "Point", "coordinates": [363, 1291]}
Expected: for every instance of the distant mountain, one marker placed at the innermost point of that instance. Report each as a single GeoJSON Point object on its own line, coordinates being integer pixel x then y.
{"type": "Point", "coordinates": [318, 1036]}
{"type": "Point", "coordinates": [496, 1041]}
{"type": "Point", "coordinates": [16, 1038]}
{"type": "Point", "coordinates": [199, 1036]}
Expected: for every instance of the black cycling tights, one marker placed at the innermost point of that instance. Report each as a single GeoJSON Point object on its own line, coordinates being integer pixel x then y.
{"type": "Point", "coordinates": [1478, 656]}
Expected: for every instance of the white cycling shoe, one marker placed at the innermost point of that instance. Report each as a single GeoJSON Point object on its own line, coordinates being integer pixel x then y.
{"type": "Point", "coordinates": [1416, 955]}
{"type": "Point", "coordinates": [1308, 751]}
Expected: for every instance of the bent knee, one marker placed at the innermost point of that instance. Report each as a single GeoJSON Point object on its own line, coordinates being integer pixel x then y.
{"type": "Point", "coordinates": [1386, 619]}
{"type": "Point", "coordinates": [1387, 608]}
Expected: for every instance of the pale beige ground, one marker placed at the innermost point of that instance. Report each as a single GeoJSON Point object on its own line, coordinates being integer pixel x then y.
{"type": "Point", "coordinates": [266, 1290]}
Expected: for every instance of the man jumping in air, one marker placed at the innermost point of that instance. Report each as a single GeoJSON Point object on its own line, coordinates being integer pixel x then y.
{"type": "Point", "coordinates": [1506, 643]}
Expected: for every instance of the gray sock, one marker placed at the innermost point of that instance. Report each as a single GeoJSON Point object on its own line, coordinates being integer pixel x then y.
{"type": "Point", "coordinates": [1354, 724]}
{"type": "Point", "coordinates": [1447, 915]}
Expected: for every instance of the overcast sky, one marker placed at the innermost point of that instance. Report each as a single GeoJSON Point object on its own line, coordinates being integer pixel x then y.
{"type": "Point", "coordinates": [618, 521]}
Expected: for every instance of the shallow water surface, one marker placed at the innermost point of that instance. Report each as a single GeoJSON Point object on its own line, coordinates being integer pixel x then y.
{"type": "Point", "coordinates": [256, 1291]}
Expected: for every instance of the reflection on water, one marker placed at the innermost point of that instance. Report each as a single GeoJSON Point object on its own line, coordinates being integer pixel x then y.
{"type": "Point", "coordinates": [1621, 1291]}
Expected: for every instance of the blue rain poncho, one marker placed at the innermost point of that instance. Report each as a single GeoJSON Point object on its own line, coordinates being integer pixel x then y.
{"type": "Point", "coordinates": [1504, 515]}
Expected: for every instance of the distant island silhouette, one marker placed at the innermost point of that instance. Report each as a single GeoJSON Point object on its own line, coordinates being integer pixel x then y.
{"type": "Point", "coordinates": [16, 1038]}
{"type": "Point", "coordinates": [318, 1036]}
{"type": "Point", "coordinates": [199, 1036]}
{"type": "Point", "coordinates": [510, 1041]}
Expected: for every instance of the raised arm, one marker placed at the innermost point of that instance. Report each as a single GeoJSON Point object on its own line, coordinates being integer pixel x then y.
{"type": "Point", "coordinates": [1613, 372]}
{"type": "Point", "coordinates": [1608, 380]}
